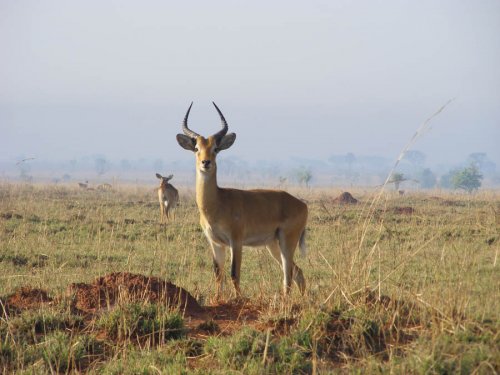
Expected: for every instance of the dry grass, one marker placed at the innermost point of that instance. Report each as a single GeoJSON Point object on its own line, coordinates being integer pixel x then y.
{"type": "Point", "coordinates": [407, 284]}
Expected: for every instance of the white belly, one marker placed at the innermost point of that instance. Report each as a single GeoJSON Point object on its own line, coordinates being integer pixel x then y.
{"type": "Point", "coordinates": [219, 237]}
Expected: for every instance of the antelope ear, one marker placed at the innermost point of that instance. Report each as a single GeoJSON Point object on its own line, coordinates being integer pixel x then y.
{"type": "Point", "coordinates": [186, 142]}
{"type": "Point", "coordinates": [158, 176]}
{"type": "Point", "coordinates": [226, 141]}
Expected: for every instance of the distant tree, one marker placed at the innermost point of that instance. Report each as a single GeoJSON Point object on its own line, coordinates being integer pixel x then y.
{"type": "Point", "coordinates": [480, 159]}
{"type": "Point", "coordinates": [72, 165]}
{"type": "Point", "coordinates": [351, 175]}
{"type": "Point", "coordinates": [427, 179]}
{"type": "Point", "coordinates": [415, 157]}
{"type": "Point", "coordinates": [304, 176]}
{"type": "Point", "coordinates": [24, 169]}
{"type": "Point", "coordinates": [445, 181]}
{"type": "Point", "coordinates": [477, 158]}
{"type": "Point", "coordinates": [468, 179]}
{"type": "Point", "coordinates": [336, 159]}
{"type": "Point", "coordinates": [125, 165]}
{"type": "Point", "coordinates": [396, 179]}
{"type": "Point", "coordinates": [101, 165]}
{"type": "Point", "coordinates": [350, 159]}
{"type": "Point", "coordinates": [282, 181]}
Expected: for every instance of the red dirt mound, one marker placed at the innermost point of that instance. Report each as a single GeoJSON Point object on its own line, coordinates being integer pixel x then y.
{"type": "Point", "coordinates": [226, 318]}
{"type": "Point", "coordinates": [221, 319]}
{"type": "Point", "coordinates": [345, 198]}
{"type": "Point", "coordinates": [105, 291]}
{"type": "Point", "coordinates": [26, 298]}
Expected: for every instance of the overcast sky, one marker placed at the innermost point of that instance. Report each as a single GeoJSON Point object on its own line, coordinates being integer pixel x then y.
{"type": "Point", "coordinates": [304, 79]}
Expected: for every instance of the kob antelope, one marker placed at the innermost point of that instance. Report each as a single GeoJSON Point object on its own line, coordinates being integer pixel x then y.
{"type": "Point", "coordinates": [166, 194]}
{"type": "Point", "coordinates": [236, 218]}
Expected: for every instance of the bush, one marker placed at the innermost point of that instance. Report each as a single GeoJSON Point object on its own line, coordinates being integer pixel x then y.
{"type": "Point", "coordinates": [468, 179]}
{"type": "Point", "coordinates": [427, 179]}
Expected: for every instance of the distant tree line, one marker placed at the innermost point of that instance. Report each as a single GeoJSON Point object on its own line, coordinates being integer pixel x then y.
{"type": "Point", "coordinates": [468, 178]}
{"type": "Point", "coordinates": [346, 169]}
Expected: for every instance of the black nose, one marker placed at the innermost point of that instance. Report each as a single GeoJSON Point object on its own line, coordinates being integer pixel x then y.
{"type": "Point", "coordinates": [205, 163]}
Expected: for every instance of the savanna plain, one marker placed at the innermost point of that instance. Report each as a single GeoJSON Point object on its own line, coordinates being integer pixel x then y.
{"type": "Point", "coordinates": [90, 282]}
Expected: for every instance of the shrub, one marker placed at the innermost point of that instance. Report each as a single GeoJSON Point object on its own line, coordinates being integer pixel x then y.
{"type": "Point", "coordinates": [468, 179]}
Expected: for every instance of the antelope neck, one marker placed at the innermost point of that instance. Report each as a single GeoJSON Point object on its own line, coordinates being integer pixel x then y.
{"type": "Point", "coordinates": [207, 192]}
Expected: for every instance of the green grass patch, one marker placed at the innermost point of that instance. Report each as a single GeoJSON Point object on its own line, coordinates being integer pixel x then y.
{"type": "Point", "coordinates": [141, 322]}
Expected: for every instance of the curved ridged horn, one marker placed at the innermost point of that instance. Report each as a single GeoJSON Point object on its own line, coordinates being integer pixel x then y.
{"type": "Point", "coordinates": [221, 133]}
{"type": "Point", "coordinates": [185, 128]}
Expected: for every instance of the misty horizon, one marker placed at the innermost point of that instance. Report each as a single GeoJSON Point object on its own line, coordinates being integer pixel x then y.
{"type": "Point", "coordinates": [337, 171]}
{"type": "Point", "coordinates": [294, 80]}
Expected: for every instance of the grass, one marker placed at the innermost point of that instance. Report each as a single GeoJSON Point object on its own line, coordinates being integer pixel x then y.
{"type": "Point", "coordinates": [142, 322]}
{"type": "Point", "coordinates": [410, 285]}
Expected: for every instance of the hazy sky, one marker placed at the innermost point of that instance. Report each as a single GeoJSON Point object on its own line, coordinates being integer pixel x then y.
{"type": "Point", "coordinates": [303, 79]}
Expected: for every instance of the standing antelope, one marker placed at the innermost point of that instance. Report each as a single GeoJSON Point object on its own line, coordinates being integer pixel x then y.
{"type": "Point", "coordinates": [166, 193]}
{"type": "Point", "coordinates": [237, 218]}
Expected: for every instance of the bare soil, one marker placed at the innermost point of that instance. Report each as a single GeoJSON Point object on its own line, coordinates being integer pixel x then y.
{"type": "Point", "coordinates": [105, 292]}
{"type": "Point", "coordinates": [26, 298]}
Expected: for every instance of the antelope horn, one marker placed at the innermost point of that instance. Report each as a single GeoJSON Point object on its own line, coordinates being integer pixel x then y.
{"type": "Point", "coordinates": [221, 133]}
{"type": "Point", "coordinates": [185, 128]}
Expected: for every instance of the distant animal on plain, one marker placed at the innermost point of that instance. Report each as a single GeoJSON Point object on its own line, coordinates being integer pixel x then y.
{"type": "Point", "coordinates": [168, 197]}
{"type": "Point", "coordinates": [235, 218]}
{"type": "Point", "coordinates": [104, 187]}
{"type": "Point", "coordinates": [83, 185]}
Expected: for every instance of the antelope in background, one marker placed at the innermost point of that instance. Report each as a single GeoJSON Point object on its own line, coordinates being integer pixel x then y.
{"type": "Point", "coordinates": [166, 193]}
{"type": "Point", "coordinates": [236, 218]}
{"type": "Point", "coordinates": [104, 187]}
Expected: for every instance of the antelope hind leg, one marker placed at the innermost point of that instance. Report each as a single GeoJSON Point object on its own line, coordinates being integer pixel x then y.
{"type": "Point", "coordinates": [297, 275]}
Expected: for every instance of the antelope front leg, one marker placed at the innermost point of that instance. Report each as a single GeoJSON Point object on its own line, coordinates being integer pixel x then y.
{"type": "Point", "coordinates": [219, 255]}
{"type": "Point", "coordinates": [236, 254]}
